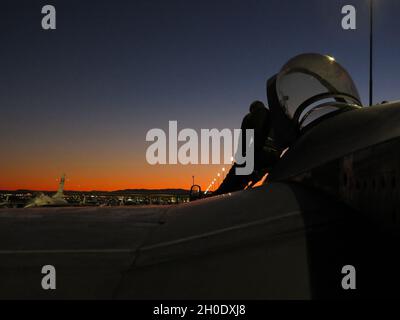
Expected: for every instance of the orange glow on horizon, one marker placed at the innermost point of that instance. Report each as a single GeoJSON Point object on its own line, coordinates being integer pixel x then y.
{"type": "Point", "coordinates": [147, 177]}
{"type": "Point", "coordinates": [107, 167]}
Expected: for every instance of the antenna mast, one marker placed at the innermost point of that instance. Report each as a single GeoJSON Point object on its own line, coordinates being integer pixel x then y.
{"type": "Point", "coordinates": [371, 51]}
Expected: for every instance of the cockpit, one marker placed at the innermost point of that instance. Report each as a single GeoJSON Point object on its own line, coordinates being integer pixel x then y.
{"type": "Point", "coordinates": [309, 88]}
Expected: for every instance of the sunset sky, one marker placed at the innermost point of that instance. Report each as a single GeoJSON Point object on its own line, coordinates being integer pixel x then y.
{"type": "Point", "coordinates": [80, 99]}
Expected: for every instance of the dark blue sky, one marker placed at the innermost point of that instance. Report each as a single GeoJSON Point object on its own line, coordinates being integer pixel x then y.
{"type": "Point", "coordinates": [115, 69]}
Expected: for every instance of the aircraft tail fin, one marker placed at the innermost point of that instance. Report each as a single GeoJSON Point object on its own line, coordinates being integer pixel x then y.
{"type": "Point", "coordinates": [60, 192]}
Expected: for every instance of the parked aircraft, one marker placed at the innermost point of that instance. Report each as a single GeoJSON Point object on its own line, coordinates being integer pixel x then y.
{"type": "Point", "coordinates": [57, 200]}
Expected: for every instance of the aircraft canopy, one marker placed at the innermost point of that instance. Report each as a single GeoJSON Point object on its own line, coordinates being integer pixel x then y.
{"type": "Point", "coordinates": [312, 85]}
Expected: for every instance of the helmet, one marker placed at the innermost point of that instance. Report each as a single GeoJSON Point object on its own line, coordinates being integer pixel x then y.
{"type": "Point", "coordinates": [310, 86]}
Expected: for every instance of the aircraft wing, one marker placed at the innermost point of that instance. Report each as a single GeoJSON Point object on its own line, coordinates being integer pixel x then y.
{"type": "Point", "coordinates": [278, 241]}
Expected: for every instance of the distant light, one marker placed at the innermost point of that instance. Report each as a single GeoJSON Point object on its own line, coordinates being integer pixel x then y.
{"type": "Point", "coordinates": [330, 58]}
{"type": "Point", "coordinates": [219, 174]}
{"type": "Point", "coordinates": [223, 169]}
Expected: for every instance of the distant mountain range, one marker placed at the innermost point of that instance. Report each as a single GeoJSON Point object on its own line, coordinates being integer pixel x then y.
{"type": "Point", "coordinates": [153, 191]}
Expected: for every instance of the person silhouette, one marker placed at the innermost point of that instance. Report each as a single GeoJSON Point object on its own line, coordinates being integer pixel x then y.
{"type": "Point", "coordinates": [265, 155]}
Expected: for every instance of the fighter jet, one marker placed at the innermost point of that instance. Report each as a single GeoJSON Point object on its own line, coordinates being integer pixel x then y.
{"type": "Point", "coordinates": [330, 204]}
{"type": "Point", "coordinates": [57, 200]}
